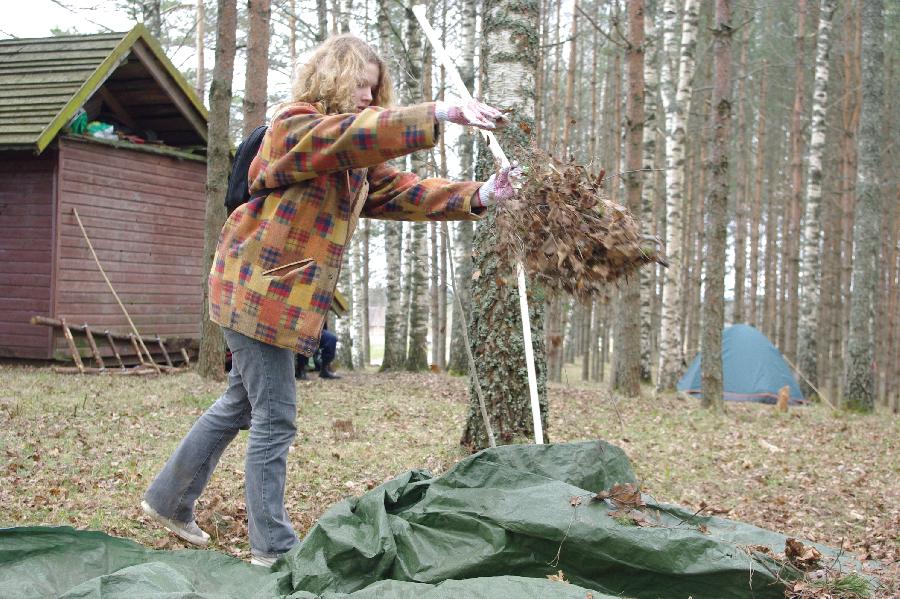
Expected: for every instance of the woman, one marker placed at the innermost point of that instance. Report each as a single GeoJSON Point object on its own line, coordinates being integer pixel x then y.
{"type": "Point", "coordinates": [279, 257]}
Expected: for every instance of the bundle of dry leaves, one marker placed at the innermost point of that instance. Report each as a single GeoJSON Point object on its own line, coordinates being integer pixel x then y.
{"type": "Point", "coordinates": [567, 233]}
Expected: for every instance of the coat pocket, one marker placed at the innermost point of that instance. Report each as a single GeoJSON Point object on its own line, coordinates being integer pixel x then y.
{"type": "Point", "coordinates": [289, 268]}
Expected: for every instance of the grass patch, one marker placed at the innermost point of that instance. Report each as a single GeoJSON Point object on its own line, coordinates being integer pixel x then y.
{"type": "Point", "coordinates": [80, 451]}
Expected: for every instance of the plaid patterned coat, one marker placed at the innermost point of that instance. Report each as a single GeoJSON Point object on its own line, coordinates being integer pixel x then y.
{"type": "Point", "coordinates": [279, 256]}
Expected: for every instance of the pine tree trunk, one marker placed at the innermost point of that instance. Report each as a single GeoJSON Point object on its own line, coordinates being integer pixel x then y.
{"type": "Point", "coordinates": [770, 268]}
{"type": "Point", "coordinates": [741, 201]}
{"type": "Point", "coordinates": [697, 197]}
{"type": "Point", "coordinates": [554, 337]}
{"type": "Point", "coordinates": [200, 49]}
{"type": "Point", "coordinates": [218, 164]}
{"type": "Point", "coordinates": [322, 18]}
{"type": "Point", "coordinates": [756, 208]}
{"type": "Point", "coordinates": [292, 26]}
{"type": "Point", "coordinates": [628, 342]}
{"type": "Point", "coordinates": [616, 128]}
{"type": "Point", "coordinates": [553, 117]}
{"type": "Point", "coordinates": [859, 391]}
{"type": "Point", "coordinates": [495, 324]}
{"type": "Point", "coordinates": [434, 303]}
{"type": "Point", "coordinates": [808, 348]}
{"type": "Point", "coordinates": [442, 303]}
{"type": "Point", "coordinates": [363, 296]}
{"type": "Point", "coordinates": [717, 223]}
{"type": "Point", "coordinates": [792, 228]}
{"type": "Point", "coordinates": [570, 119]}
{"type": "Point", "coordinates": [256, 79]}
{"type": "Point", "coordinates": [587, 336]}
{"type": "Point", "coordinates": [346, 11]}
{"type": "Point", "coordinates": [152, 16]}
{"type": "Point", "coordinates": [678, 92]}
{"type": "Point", "coordinates": [596, 348]}
{"type": "Point", "coordinates": [850, 108]}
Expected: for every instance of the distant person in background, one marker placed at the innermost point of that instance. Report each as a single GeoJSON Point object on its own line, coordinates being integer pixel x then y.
{"type": "Point", "coordinates": [322, 359]}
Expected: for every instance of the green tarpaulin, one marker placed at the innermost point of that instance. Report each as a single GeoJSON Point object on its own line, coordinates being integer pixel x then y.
{"type": "Point", "coordinates": [495, 525]}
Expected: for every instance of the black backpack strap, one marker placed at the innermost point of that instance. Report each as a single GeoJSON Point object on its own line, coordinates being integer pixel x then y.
{"type": "Point", "coordinates": [238, 191]}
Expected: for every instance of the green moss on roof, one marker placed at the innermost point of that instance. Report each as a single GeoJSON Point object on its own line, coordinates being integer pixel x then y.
{"type": "Point", "coordinates": [44, 81]}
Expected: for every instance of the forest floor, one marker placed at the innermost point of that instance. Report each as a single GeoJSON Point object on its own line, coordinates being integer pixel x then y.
{"type": "Point", "coordinates": [80, 451]}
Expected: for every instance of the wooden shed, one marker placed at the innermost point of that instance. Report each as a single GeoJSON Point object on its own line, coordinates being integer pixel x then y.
{"type": "Point", "coordinates": [140, 193]}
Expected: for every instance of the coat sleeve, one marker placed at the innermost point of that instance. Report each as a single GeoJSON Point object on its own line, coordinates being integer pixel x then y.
{"type": "Point", "coordinates": [302, 143]}
{"type": "Point", "coordinates": [395, 195]}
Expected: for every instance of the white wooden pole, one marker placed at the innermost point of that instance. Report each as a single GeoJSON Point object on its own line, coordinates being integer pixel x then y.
{"type": "Point", "coordinates": [500, 155]}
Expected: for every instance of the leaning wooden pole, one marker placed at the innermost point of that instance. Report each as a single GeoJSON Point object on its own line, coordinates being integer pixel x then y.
{"type": "Point", "coordinates": [473, 372]}
{"type": "Point", "coordinates": [116, 295]}
{"type": "Point", "coordinates": [498, 154]}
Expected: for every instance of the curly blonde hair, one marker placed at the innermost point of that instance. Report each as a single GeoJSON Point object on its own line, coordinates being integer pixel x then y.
{"type": "Point", "coordinates": [330, 75]}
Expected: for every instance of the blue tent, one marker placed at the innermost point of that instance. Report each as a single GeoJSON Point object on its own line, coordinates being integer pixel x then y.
{"type": "Point", "coordinates": [753, 368]}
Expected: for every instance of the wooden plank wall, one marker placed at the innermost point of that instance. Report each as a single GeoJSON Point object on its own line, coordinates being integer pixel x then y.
{"type": "Point", "coordinates": [26, 243]}
{"type": "Point", "coordinates": [144, 215]}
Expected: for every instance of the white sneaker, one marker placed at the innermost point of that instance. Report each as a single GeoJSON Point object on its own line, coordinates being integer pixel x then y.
{"type": "Point", "coordinates": [188, 531]}
{"type": "Point", "coordinates": [261, 560]}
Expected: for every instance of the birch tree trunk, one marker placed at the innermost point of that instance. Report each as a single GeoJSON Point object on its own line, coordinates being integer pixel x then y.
{"type": "Point", "coordinates": [345, 326]}
{"type": "Point", "coordinates": [465, 230]}
{"type": "Point", "coordinates": [808, 347]}
{"type": "Point", "coordinates": [406, 290]}
{"type": "Point", "coordinates": [218, 163]}
{"type": "Point", "coordinates": [495, 325]}
{"type": "Point", "coordinates": [628, 341]}
{"type": "Point", "coordinates": [394, 314]}
{"type": "Point", "coordinates": [859, 391]}
{"type": "Point", "coordinates": [651, 124]}
{"type": "Point", "coordinates": [671, 348]}
{"type": "Point", "coordinates": [257, 75]}
{"type": "Point", "coordinates": [394, 343]}
{"type": "Point", "coordinates": [356, 320]}
{"type": "Point", "coordinates": [717, 223]}
{"type": "Point", "coordinates": [417, 350]}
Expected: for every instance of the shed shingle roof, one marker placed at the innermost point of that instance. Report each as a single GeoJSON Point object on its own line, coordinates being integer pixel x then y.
{"type": "Point", "coordinates": [44, 81]}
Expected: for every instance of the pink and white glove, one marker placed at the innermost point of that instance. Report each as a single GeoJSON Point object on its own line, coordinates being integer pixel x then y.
{"type": "Point", "coordinates": [501, 186]}
{"type": "Point", "coordinates": [471, 114]}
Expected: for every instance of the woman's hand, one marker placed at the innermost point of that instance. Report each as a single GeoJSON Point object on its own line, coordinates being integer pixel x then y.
{"type": "Point", "coordinates": [471, 114]}
{"type": "Point", "coordinates": [501, 186]}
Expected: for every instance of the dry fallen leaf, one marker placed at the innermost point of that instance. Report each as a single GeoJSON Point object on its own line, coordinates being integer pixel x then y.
{"type": "Point", "coordinates": [558, 577]}
{"type": "Point", "coordinates": [802, 556]}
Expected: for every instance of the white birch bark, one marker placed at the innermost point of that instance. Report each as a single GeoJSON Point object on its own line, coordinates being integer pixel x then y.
{"type": "Point", "coordinates": [394, 343]}
{"type": "Point", "coordinates": [671, 353]}
{"type": "Point", "coordinates": [811, 254]}
{"type": "Point", "coordinates": [651, 125]}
